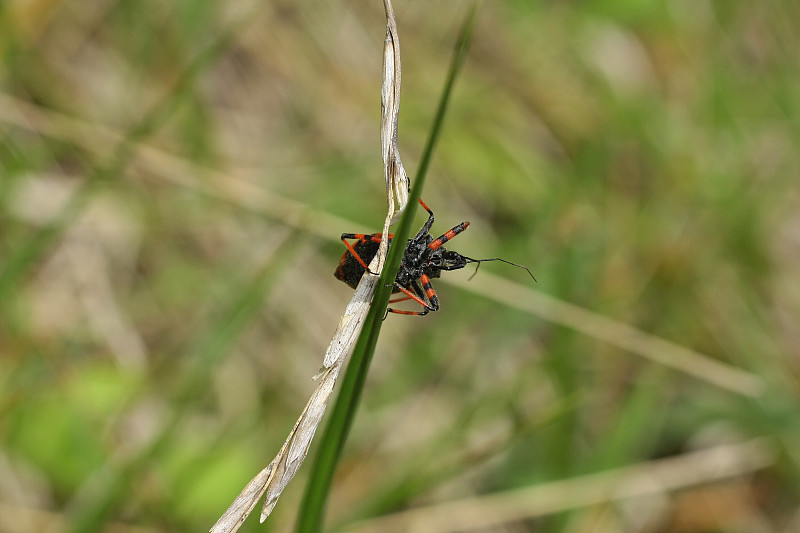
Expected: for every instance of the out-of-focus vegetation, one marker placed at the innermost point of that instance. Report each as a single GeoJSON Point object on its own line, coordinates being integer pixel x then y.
{"type": "Point", "coordinates": [174, 177]}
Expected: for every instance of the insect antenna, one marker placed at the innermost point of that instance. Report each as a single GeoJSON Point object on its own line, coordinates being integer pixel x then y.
{"type": "Point", "coordinates": [479, 261]}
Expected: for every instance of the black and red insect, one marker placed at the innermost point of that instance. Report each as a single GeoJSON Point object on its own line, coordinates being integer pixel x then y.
{"type": "Point", "coordinates": [424, 258]}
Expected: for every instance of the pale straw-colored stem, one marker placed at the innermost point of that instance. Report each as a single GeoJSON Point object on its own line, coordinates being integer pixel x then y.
{"type": "Point", "coordinates": [650, 479]}
{"type": "Point", "coordinates": [272, 480]}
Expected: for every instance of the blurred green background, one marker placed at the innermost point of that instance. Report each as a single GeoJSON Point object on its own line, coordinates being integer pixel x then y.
{"type": "Point", "coordinates": [174, 177]}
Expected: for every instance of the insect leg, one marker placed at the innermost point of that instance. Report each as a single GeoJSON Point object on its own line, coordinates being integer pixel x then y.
{"type": "Point", "coordinates": [374, 237]}
{"type": "Point", "coordinates": [449, 234]}
{"type": "Point", "coordinates": [429, 293]}
{"type": "Point", "coordinates": [426, 228]}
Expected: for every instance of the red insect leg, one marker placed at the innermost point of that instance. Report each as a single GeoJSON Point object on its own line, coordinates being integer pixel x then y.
{"type": "Point", "coordinates": [430, 294]}
{"type": "Point", "coordinates": [374, 237]}
{"type": "Point", "coordinates": [437, 243]}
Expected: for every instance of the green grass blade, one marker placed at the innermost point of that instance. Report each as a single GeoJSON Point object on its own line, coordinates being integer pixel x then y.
{"type": "Point", "coordinates": [343, 412]}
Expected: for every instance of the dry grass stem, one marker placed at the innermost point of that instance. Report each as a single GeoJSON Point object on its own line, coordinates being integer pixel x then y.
{"type": "Point", "coordinates": [395, 175]}
{"type": "Point", "coordinates": [622, 335]}
{"type": "Point", "coordinates": [237, 187]}
{"type": "Point", "coordinates": [647, 479]}
{"type": "Point", "coordinates": [270, 482]}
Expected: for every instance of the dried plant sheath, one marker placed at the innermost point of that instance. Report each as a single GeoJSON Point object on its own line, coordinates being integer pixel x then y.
{"type": "Point", "coordinates": [397, 183]}
{"type": "Point", "coordinates": [270, 482]}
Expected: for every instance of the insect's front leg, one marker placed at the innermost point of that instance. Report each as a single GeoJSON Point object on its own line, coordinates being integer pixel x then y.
{"type": "Point", "coordinates": [426, 228]}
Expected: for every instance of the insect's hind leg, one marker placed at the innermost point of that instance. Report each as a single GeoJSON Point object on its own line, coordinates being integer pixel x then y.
{"type": "Point", "coordinates": [431, 305]}
{"type": "Point", "coordinates": [374, 237]}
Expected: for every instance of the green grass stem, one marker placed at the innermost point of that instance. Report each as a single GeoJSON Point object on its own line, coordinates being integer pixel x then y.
{"type": "Point", "coordinates": [311, 514]}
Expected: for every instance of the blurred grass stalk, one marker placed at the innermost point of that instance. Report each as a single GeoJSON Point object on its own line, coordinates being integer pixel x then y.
{"type": "Point", "coordinates": [239, 188]}
{"type": "Point", "coordinates": [92, 507]}
{"type": "Point", "coordinates": [630, 483]}
{"type": "Point", "coordinates": [123, 151]}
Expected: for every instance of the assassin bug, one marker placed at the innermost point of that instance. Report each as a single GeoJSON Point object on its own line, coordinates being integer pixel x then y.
{"type": "Point", "coordinates": [424, 258]}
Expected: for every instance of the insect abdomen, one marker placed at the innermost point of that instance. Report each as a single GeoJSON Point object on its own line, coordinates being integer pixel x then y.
{"type": "Point", "coordinates": [349, 269]}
